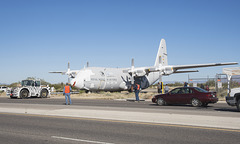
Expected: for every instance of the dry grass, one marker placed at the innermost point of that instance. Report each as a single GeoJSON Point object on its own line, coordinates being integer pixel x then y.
{"type": "Point", "coordinates": [107, 95]}
{"type": "Point", "coordinates": [2, 94]}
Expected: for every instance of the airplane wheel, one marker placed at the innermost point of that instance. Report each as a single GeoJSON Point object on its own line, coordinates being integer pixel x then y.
{"type": "Point", "coordinates": [24, 94]}
{"type": "Point", "coordinates": [44, 93]}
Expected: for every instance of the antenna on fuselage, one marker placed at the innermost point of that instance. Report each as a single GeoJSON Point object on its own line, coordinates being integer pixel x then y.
{"type": "Point", "coordinates": [87, 64]}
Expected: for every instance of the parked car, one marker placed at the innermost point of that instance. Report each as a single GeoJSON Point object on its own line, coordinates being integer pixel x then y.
{"type": "Point", "coordinates": [3, 88]}
{"type": "Point", "coordinates": [186, 95]}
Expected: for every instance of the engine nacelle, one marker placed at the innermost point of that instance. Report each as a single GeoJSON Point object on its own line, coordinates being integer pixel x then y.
{"type": "Point", "coordinates": [167, 70]}
{"type": "Point", "coordinates": [140, 74]}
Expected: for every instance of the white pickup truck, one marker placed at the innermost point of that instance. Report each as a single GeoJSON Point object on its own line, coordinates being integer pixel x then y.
{"type": "Point", "coordinates": [233, 99]}
{"type": "Point", "coordinates": [3, 88]}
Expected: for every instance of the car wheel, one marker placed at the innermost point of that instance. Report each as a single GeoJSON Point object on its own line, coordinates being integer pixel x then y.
{"type": "Point", "coordinates": [161, 101]}
{"type": "Point", "coordinates": [44, 93]}
{"type": "Point", "coordinates": [24, 94]}
{"type": "Point", "coordinates": [196, 102]}
{"type": "Point", "coordinates": [238, 105]}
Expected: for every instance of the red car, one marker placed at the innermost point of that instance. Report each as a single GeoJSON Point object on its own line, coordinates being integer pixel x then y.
{"type": "Point", "coordinates": [186, 95]}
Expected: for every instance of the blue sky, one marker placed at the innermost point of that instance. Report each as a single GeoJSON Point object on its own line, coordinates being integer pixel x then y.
{"type": "Point", "coordinates": [38, 36]}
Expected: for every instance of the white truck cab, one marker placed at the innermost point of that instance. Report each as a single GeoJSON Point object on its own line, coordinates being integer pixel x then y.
{"type": "Point", "coordinates": [3, 88]}
{"type": "Point", "coordinates": [29, 88]}
{"type": "Point", "coordinates": [233, 97]}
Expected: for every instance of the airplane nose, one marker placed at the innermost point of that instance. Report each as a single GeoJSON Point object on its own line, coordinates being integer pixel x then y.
{"type": "Point", "coordinates": [73, 82]}
{"type": "Point", "coordinates": [77, 83]}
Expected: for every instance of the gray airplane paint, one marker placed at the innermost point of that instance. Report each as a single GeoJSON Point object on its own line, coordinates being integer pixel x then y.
{"type": "Point", "coordinates": [110, 79]}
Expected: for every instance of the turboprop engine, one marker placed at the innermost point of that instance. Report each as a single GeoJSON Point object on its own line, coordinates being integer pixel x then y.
{"type": "Point", "coordinates": [166, 70]}
{"type": "Point", "coordinates": [140, 73]}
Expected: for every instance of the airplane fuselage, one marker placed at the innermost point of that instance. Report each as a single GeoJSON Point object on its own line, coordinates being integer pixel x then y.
{"type": "Point", "coordinates": [110, 79]}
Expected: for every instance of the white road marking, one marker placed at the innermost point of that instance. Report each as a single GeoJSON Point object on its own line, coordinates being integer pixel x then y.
{"type": "Point", "coordinates": [81, 140]}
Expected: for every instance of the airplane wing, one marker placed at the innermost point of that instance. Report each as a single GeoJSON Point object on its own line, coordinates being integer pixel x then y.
{"type": "Point", "coordinates": [61, 72]}
{"type": "Point", "coordinates": [177, 67]}
{"type": "Point", "coordinates": [170, 69]}
{"type": "Point", "coordinates": [71, 73]}
{"type": "Point", "coordinates": [161, 65]}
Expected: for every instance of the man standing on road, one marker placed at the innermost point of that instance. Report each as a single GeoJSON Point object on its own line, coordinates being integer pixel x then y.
{"type": "Point", "coordinates": [137, 89]}
{"type": "Point", "coordinates": [166, 89]}
{"type": "Point", "coordinates": [159, 87]}
{"type": "Point", "coordinates": [66, 91]}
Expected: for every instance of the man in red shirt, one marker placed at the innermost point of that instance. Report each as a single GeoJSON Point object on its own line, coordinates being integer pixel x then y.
{"type": "Point", "coordinates": [66, 91]}
{"type": "Point", "coordinates": [137, 89]}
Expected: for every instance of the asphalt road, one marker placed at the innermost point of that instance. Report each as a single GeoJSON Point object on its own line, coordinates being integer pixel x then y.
{"type": "Point", "coordinates": [24, 129]}
{"type": "Point", "coordinates": [220, 107]}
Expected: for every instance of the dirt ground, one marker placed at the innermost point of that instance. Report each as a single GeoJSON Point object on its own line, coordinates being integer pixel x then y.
{"type": "Point", "coordinates": [145, 94]}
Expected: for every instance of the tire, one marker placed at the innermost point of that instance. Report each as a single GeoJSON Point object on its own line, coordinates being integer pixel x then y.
{"type": "Point", "coordinates": [161, 102]}
{"type": "Point", "coordinates": [205, 104]}
{"type": "Point", "coordinates": [24, 94]}
{"type": "Point", "coordinates": [238, 105]}
{"type": "Point", "coordinates": [196, 103]}
{"type": "Point", "coordinates": [44, 93]}
{"type": "Point", "coordinates": [12, 97]}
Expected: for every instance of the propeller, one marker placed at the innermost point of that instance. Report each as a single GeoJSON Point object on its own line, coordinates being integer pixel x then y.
{"type": "Point", "coordinates": [68, 72]}
{"type": "Point", "coordinates": [71, 74]}
{"type": "Point", "coordinates": [132, 72]}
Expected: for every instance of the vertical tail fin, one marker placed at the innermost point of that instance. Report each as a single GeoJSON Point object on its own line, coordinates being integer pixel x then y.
{"type": "Point", "coordinates": [161, 59]}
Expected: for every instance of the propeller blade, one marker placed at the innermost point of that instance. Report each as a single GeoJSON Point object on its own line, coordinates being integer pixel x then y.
{"type": "Point", "coordinates": [133, 74]}
{"type": "Point", "coordinates": [132, 64]}
{"type": "Point", "coordinates": [68, 67]}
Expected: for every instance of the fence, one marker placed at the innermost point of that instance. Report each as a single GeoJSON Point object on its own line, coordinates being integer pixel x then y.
{"type": "Point", "coordinates": [217, 83]}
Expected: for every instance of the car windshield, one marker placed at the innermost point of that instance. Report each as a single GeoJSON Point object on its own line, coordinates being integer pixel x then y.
{"type": "Point", "coordinates": [27, 83]}
{"type": "Point", "coordinates": [37, 83]}
{"type": "Point", "coordinates": [200, 90]}
{"type": "Point", "coordinates": [175, 91]}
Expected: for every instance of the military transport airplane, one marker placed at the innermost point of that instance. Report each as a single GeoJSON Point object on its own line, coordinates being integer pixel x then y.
{"type": "Point", "coordinates": [120, 79]}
